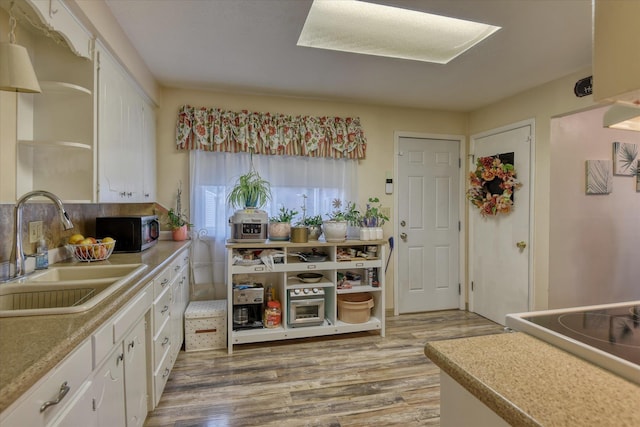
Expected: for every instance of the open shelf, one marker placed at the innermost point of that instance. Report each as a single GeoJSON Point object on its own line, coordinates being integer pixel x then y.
{"type": "Point", "coordinates": [282, 277]}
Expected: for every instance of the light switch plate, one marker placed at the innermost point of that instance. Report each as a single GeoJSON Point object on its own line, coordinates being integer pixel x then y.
{"type": "Point", "coordinates": [35, 231]}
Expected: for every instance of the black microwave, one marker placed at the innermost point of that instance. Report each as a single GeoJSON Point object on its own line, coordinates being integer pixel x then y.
{"type": "Point", "coordinates": [132, 233]}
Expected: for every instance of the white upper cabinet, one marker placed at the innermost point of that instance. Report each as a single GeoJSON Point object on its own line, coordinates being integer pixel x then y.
{"type": "Point", "coordinates": [126, 136]}
{"type": "Point", "coordinates": [616, 51]}
{"type": "Point", "coordinates": [55, 15]}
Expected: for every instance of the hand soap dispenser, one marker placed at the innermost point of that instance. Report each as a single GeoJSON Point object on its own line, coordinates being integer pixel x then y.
{"type": "Point", "coordinates": [42, 255]}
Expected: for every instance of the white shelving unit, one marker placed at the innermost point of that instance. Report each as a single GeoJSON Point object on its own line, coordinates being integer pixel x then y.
{"type": "Point", "coordinates": [282, 277]}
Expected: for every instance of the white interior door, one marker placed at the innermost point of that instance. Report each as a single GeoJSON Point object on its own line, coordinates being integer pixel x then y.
{"type": "Point", "coordinates": [500, 245]}
{"type": "Point", "coordinates": [428, 224]}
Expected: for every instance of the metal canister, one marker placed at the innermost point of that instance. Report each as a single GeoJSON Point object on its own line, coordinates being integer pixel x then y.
{"type": "Point", "coordinates": [300, 234]}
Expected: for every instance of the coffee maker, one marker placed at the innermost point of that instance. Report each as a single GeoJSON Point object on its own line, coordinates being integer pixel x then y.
{"type": "Point", "coordinates": [248, 306]}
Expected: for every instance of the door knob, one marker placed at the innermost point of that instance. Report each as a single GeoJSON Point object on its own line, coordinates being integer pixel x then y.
{"type": "Point", "coordinates": [521, 245]}
{"type": "Point", "coordinates": [403, 236]}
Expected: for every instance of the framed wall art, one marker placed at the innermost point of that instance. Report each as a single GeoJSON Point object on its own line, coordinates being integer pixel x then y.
{"type": "Point", "coordinates": [599, 177]}
{"type": "Point", "coordinates": [625, 157]}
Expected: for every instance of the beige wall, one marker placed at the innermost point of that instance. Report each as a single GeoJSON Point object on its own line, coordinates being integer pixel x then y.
{"type": "Point", "coordinates": [379, 124]}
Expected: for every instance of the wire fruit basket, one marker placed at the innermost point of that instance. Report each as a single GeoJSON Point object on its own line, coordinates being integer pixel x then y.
{"type": "Point", "coordinates": [96, 252]}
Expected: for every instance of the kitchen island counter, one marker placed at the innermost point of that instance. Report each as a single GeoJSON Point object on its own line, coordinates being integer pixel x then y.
{"type": "Point", "coordinates": [528, 382]}
{"type": "Point", "coordinates": [31, 346]}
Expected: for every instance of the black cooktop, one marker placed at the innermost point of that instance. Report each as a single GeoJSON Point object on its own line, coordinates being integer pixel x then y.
{"type": "Point", "coordinates": [613, 330]}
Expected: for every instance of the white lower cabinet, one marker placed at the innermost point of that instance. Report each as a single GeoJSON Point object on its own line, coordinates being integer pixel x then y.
{"type": "Point", "coordinates": [171, 297]}
{"type": "Point", "coordinates": [119, 383]}
{"type": "Point", "coordinates": [52, 397]}
{"type": "Point", "coordinates": [118, 374]}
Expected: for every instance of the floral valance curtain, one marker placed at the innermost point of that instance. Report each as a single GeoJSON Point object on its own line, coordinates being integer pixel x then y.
{"type": "Point", "coordinates": [213, 129]}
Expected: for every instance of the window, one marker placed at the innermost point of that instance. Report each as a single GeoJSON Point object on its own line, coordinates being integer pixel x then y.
{"type": "Point", "coordinates": [213, 175]}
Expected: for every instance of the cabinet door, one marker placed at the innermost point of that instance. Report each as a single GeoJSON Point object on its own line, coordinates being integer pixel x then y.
{"type": "Point", "coordinates": [111, 171]}
{"type": "Point", "coordinates": [135, 375]}
{"type": "Point", "coordinates": [79, 412]}
{"type": "Point", "coordinates": [108, 390]}
{"type": "Point", "coordinates": [149, 153]}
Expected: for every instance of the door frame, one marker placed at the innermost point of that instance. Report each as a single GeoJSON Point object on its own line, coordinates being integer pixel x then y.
{"type": "Point", "coordinates": [461, 140]}
{"type": "Point", "coordinates": [532, 174]}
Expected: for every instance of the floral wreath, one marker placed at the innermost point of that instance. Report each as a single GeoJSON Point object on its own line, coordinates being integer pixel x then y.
{"type": "Point", "coordinates": [491, 186]}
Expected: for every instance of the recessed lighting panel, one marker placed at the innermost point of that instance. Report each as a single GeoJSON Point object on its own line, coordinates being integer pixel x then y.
{"type": "Point", "coordinates": [373, 29]}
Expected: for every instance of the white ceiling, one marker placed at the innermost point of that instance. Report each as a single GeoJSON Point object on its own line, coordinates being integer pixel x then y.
{"type": "Point", "coordinates": [250, 46]}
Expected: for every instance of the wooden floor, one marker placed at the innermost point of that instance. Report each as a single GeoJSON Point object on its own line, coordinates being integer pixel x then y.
{"type": "Point", "coordinates": [357, 379]}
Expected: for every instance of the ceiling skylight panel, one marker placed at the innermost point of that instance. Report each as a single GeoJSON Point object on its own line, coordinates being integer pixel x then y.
{"type": "Point", "coordinates": [373, 29]}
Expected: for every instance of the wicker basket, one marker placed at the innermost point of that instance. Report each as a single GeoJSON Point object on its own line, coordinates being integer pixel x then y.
{"type": "Point", "coordinates": [96, 252]}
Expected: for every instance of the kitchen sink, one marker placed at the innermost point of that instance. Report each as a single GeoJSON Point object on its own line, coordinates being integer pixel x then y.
{"type": "Point", "coordinates": [83, 272]}
{"type": "Point", "coordinates": [63, 290]}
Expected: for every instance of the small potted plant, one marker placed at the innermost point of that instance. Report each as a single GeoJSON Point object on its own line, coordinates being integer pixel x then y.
{"type": "Point", "coordinates": [335, 228]}
{"type": "Point", "coordinates": [250, 191]}
{"type": "Point", "coordinates": [280, 225]}
{"type": "Point", "coordinates": [177, 220]}
{"type": "Point", "coordinates": [372, 220]}
{"type": "Point", "coordinates": [308, 228]}
{"type": "Point", "coordinates": [315, 226]}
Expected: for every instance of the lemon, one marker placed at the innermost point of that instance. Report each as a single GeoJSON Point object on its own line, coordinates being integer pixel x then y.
{"type": "Point", "coordinates": [75, 239]}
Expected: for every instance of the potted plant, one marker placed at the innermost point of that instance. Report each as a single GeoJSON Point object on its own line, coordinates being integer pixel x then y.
{"type": "Point", "coordinates": [315, 226]}
{"type": "Point", "coordinates": [250, 191]}
{"type": "Point", "coordinates": [280, 225]}
{"type": "Point", "coordinates": [177, 220]}
{"type": "Point", "coordinates": [335, 228]}
{"type": "Point", "coordinates": [372, 220]}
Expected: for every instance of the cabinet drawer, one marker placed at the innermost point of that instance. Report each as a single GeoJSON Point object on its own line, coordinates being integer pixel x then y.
{"type": "Point", "coordinates": [160, 377]}
{"type": "Point", "coordinates": [161, 310]}
{"type": "Point", "coordinates": [161, 282]}
{"type": "Point", "coordinates": [161, 344]}
{"type": "Point", "coordinates": [73, 371]}
{"type": "Point", "coordinates": [132, 312]}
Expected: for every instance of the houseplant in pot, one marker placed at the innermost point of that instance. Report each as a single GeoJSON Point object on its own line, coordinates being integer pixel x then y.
{"type": "Point", "coordinates": [371, 220]}
{"type": "Point", "coordinates": [314, 223]}
{"type": "Point", "coordinates": [335, 228]}
{"type": "Point", "coordinates": [250, 191]}
{"type": "Point", "coordinates": [280, 225]}
{"type": "Point", "coordinates": [177, 220]}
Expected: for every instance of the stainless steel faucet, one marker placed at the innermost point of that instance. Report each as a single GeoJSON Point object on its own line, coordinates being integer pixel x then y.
{"type": "Point", "coordinates": [17, 251]}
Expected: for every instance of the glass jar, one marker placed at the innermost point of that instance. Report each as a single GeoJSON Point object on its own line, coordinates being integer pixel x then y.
{"type": "Point", "coordinates": [272, 315]}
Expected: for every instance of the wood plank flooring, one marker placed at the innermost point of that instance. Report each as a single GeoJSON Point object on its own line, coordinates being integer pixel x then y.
{"type": "Point", "coordinates": [357, 379]}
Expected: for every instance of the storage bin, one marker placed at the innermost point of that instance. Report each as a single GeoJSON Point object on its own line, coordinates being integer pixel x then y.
{"type": "Point", "coordinates": [355, 308]}
{"type": "Point", "coordinates": [205, 325]}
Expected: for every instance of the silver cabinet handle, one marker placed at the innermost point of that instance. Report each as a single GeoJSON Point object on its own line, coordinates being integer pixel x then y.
{"type": "Point", "coordinates": [119, 359]}
{"type": "Point", "coordinates": [131, 345]}
{"type": "Point", "coordinates": [164, 283]}
{"type": "Point", "coordinates": [165, 341]}
{"type": "Point", "coordinates": [164, 310]}
{"type": "Point", "coordinates": [64, 389]}
{"type": "Point", "coordinates": [166, 373]}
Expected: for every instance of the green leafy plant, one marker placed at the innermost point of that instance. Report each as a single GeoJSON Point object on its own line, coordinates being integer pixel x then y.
{"type": "Point", "coordinates": [284, 215]}
{"type": "Point", "coordinates": [312, 220]}
{"type": "Point", "coordinates": [373, 216]}
{"type": "Point", "coordinates": [250, 191]}
{"type": "Point", "coordinates": [350, 212]}
{"type": "Point", "coordinates": [176, 219]}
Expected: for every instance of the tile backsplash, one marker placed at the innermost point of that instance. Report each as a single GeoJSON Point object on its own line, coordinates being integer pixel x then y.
{"type": "Point", "coordinates": [83, 217]}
